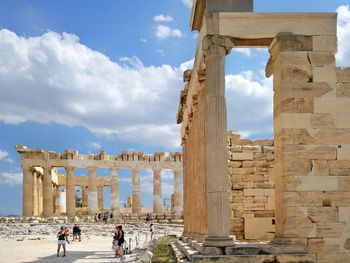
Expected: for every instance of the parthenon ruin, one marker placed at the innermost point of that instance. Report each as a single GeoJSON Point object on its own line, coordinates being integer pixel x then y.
{"type": "Point", "coordinates": [41, 181]}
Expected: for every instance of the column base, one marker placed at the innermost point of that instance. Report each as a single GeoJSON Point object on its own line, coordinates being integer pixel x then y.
{"type": "Point", "coordinates": [218, 242]}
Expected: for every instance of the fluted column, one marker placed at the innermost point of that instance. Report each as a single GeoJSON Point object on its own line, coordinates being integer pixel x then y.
{"type": "Point", "coordinates": [70, 194]}
{"type": "Point", "coordinates": [100, 197]}
{"type": "Point", "coordinates": [136, 195]}
{"type": "Point", "coordinates": [157, 191]}
{"type": "Point", "coordinates": [35, 195]}
{"type": "Point", "coordinates": [47, 192]}
{"type": "Point", "coordinates": [27, 197]}
{"type": "Point", "coordinates": [40, 195]}
{"type": "Point", "coordinates": [92, 198]}
{"type": "Point", "coordinates": [177, 193]}
{"type": "Point", "coordinates": [84, 196]}
{"type": "Point", "coordinates": [215, 50]}
{"type": "Point", "coordinates": [115, 198]}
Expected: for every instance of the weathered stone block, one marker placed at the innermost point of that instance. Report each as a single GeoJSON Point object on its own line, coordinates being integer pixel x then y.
{"type": "Point", "coordinates": [343, 152]}
{"type": "Point", "coordinates": [251, 148]}
{"type": "Point", "coordinates": [254, 178]}
{"type": "Point", "coordinates": [253, 192]}
{"type": "Point", "coordinates": [321, 58]}
{"type": "Point", "coordinates": [329, 229]}
{"type": "Point", "coordinates": [303, 90]}
{"type": "Point", "coordinates": [309, 152]}
{"type": "Point", "coordinates": [332, 105]}
{"type": "Point", "coordinates": [318, 245]}
{"type": "Point", "coordinates": [297, 136]}
{"type": "Point", "coordinates": [323, 214]}
{"type": "Point", "coordinates": [242, 156]}
{"type": "Point", "coordinates": [253, 206]}
{"type": "Point", "coordinates": [320, 167]}
{"type": "Point", "coordinates": [296, 105]}
{"type": "Point", "coordinates": [339, 167]}
{"type": "Point", "coordinates": [257, 228]}
{"type": "Point", "coordinates": [236, 148]}
{"type": "Point", "coordinates": [323, 121]}
{"type": "Point", "coordinates": [242, 171]}
{"type": "Point", "coordinates": [342, 121]}
{"type": "Point", "coordinates": [263, 142]}
{"type": "Point", "coordinates": [296, 74]}
{"type": "Point", "coordinates": [311, 183]}
{"type": "Point", "coordinates": [294, 259]}
{"type": "Point", "coordinates": [332, 136]}
{"type": "Point", "coordinates": [235, 164]}
{"type": "Point", "coordinates": [324, 74]}
{"type": "Point", "coordinates": [325, 43]}
{"type": "Point", "coordinates": [334, 198]}
{"type": "Point", "coordinates": [344, 183]}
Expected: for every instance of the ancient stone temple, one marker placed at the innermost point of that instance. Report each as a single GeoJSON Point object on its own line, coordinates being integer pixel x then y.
{"type": "Point", "coordinates": [300, 196]}
{"type": "Point", "coordinates": [41, 181]}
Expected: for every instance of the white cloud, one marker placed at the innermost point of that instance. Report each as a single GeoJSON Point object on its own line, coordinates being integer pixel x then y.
{"type": "Point", "coordinates": [249, 104]}
{"type": "Point", "coordinates": [244, 51]}
{"type": "Point", "coordinates": [343, 29]}
{"type": "Point", "coordinates": [144, 40]}
{"type": "Point", "coordinates": [187, 3]}
{"type": "Point", "coordinates": [164, 32]}
{"type": "Point", "coordinates": [163, 18]}
{"type": "Point", "coordinates": [55, 79]}
{"type": "Point", "coordinates": [11, 178]}
{"type": "Point", "coordinates": [4, 156]}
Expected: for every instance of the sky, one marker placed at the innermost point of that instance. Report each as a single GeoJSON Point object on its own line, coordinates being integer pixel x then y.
{"type": "Point", "coordinates": [92, 75]}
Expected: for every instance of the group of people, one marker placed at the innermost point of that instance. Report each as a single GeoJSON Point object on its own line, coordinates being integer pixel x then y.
{"type": "Point", "coordinates": [117, 243]}
{"type": "Point", "coordinates": [103, 217]}
{"type": "Point", "coordinates": [63, 235]}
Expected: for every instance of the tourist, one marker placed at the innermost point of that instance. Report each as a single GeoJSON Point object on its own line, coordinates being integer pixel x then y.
{"type": "Point", "coordinates": [120, 240]}
{"type": "Point", "coordinates": [76, 232]}
{"type": "Point", "coordinates": [111, 216]}
{"type": "Point", "coordinates": [61, 241]}
{"type": "Point", "coordinates": [115, 246]}
{"type": "Point", "coordinates": [96, 218]}
{"type": "Point", "coordinates": [99, 217]}
{"type": "Point", "coordinates": [151, 229]}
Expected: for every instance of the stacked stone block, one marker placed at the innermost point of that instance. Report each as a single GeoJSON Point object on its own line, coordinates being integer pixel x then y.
{"type": "Point", "coordinates": [252, 195]}
{"type": "Point", "coordinates": [312, 138]}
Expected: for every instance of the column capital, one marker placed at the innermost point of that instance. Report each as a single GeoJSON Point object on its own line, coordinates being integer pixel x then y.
{"type": "Point", "coordinates": [216, 45]}
{"type": "Point", "coordinates": [287, 42]}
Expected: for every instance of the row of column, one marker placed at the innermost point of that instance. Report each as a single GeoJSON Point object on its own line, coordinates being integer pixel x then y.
{"type": "Point", "coordinates": [93, 198]}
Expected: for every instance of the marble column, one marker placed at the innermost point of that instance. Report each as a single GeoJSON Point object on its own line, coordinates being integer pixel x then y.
{"type": "Point", "coordinates": [157, 191]}
{"type": "Point", "coordinates": [84, 196]}
{"type": "Point", "coordinates": [40, 195]}
{"type": "Point", "coordinates": [35, 195]}
{"type": "Point", "coordinates": [115, 198]}
{"type": "Point", "coordinates": [27, 197]}
{"type": "Point", "coordinates": [215, 50]}
{"type": "Point", "coordinates": [177, 193]}
{"type": "Point", "coordinates": [136, 195]}
{"type": "Point", "coordinates": [100, 197]}
{"type": "Point", "coordinates": [70, 191]}
{"type": "Point", "coordinates": [93, 198]}
{"type": "Point", "coordinates": [47, 192]}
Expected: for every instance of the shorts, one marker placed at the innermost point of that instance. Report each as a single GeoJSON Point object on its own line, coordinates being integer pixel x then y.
{"type": "Point", "coordinates": [61, 242]}
{"type": "Point", "coordinates": [75, 234]}
{"type": "Point", "coordinates": [115, 247]}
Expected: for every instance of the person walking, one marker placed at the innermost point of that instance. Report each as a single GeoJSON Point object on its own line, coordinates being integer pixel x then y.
{"type": "Point", "coordinates": [61, 235]}
{"type": "Point", "coordinates": [151, 229]}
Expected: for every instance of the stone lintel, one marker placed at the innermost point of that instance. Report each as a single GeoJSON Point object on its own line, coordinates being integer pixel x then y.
{"type": "Point", "coordinates": [286, 41]}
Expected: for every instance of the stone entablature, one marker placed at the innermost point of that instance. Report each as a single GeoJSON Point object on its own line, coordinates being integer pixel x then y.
{"type": "Point", "coordinates": [54, 202]}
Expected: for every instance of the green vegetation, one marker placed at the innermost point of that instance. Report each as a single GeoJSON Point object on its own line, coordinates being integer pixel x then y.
{"type": "Point", "coordinates": [162, 252]}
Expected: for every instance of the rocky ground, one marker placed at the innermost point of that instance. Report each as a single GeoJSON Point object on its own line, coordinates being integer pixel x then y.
{"type": "Point", "coordinates": [33, 242]}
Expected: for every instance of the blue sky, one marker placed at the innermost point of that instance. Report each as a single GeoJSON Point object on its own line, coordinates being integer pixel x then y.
{"type": "Point", "coordinates": [88, 75]}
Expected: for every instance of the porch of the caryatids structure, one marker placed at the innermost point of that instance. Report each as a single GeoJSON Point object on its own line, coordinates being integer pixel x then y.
{"type": "Point", "coordinates": [157, 191]}
{"type": "Point", "coordinates": [70, 191]}
{"type": "Point", "coordinates": [115, 196]}
{"type": "Point", "coordinates": [215, 48]}
{"type": "Point", "coordinates": [136, 194]}
{"type": "Point", "coordinates": [177, 192]}
{"type": "Point", "coordinates": [92, 196]}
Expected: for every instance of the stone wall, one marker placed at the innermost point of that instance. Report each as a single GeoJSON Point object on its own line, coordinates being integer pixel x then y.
{"type": "Point", "coordinates": [252, 196]}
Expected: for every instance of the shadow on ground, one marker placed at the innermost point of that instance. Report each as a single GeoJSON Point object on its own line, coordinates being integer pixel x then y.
{"type": "Point", "coordinates": [85, 257]}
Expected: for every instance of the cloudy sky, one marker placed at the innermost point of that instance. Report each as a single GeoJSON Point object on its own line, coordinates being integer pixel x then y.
{"type": "Point", "coordinates": [91, 75]}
